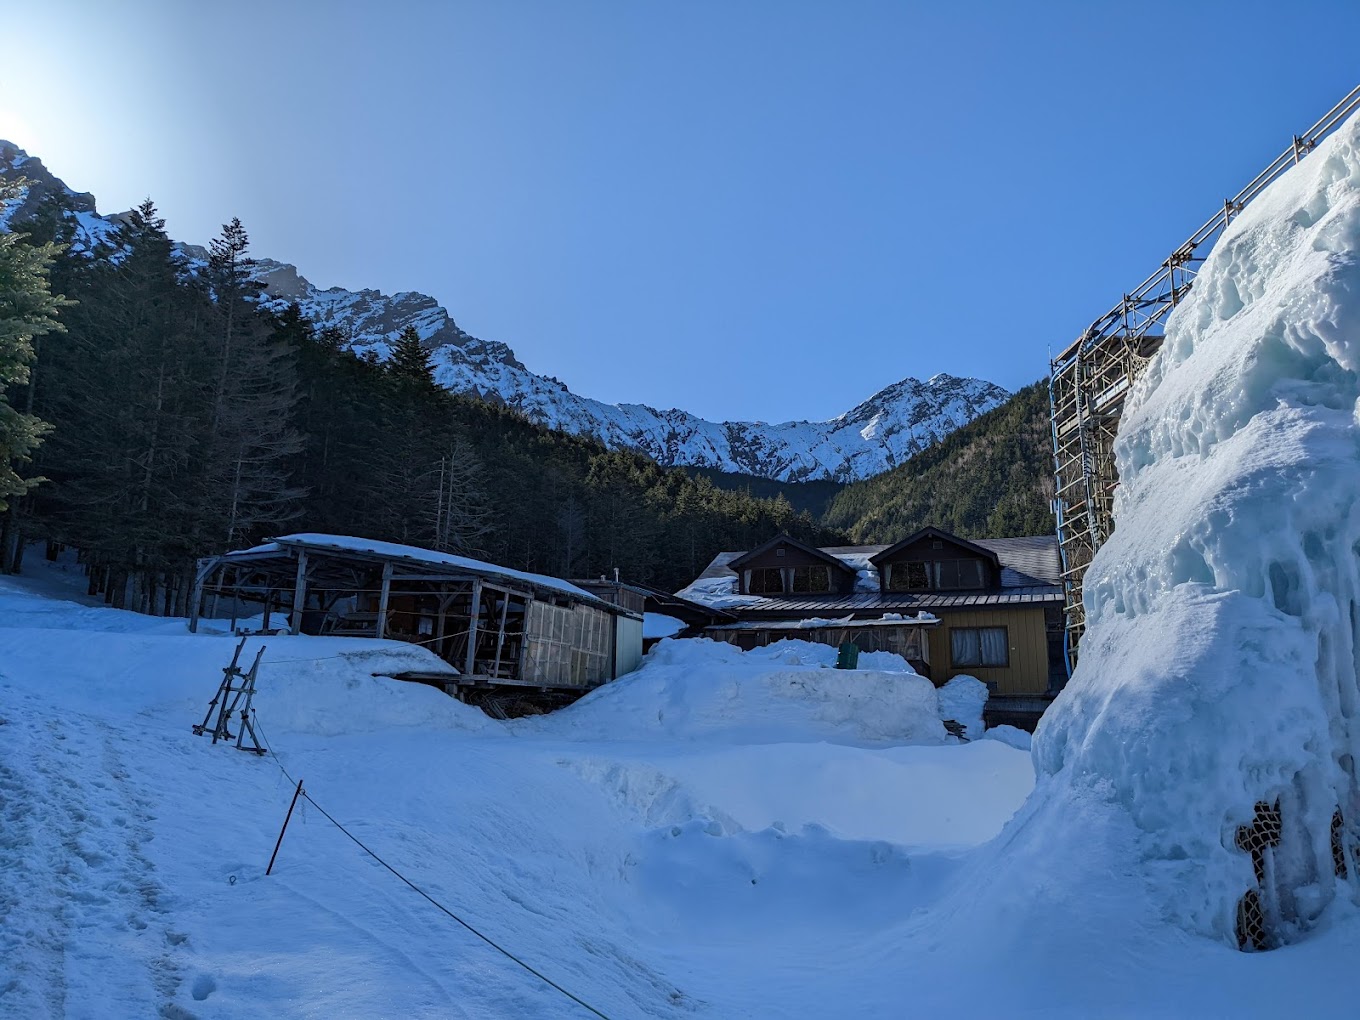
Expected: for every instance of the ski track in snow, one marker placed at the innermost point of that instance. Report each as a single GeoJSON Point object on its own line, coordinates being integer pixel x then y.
{"type": "Point", "coordinates": [93, 906]}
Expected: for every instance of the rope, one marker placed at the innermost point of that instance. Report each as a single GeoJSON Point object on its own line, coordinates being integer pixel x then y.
{"type": "Point", "coordinates": [360, 844]}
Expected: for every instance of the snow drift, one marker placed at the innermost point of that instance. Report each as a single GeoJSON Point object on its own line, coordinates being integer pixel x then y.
{"type": "Point", "coordinates": [698, 689]}
{"type": "Point", "coordinates": [1219, 670]}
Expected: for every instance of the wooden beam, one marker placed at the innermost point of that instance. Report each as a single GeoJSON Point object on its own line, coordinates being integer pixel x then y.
{"type": "Point", "coordinates": [381, 625]}
{"type": "Point", "coordinates": [469, 660]}
{"type": "Point", "coordinates": [200, 576]}
{"type": "Point", "coordinates": [299, 593]}
{"type": "Point", "coordinates": [500, 635]}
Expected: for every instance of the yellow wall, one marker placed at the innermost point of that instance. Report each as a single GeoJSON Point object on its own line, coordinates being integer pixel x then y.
{"type": "Point", "coordinates": [1028, 671]}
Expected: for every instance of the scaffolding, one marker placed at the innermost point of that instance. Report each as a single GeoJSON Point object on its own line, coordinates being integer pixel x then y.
{"type": "Point", "coordinates": [1089, 380]}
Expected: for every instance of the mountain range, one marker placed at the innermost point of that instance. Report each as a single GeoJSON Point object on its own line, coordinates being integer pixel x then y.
{"type": "Point", "coordinates": [889, 427]}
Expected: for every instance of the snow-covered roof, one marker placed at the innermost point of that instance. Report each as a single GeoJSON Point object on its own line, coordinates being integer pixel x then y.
{"type": "Point", "coordinates": [1031, 571]}
{"type": "Point", "coordinates": [817, 623]}
{"type": "Point", "coordinates": [393, 550]}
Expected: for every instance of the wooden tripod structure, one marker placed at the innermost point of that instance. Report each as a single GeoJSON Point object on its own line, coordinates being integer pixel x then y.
{"type": "Point", "coordinates": [235, 693]}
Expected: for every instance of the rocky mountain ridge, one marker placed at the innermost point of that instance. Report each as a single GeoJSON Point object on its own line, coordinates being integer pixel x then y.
{"type": "Point", "coordinates": [880, 433]}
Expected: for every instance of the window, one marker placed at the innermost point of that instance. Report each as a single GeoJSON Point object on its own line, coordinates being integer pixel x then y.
{"type": "Point", "coordinates": [979, 646]}
{"type": "Point", "coordinates": [812, 580]}
{"type": "Point", "coordinates": [941, 575]}
{"type": "Point", "coordinates": [955, 574]}
{"type": "Point", "coordinates": [766, 581]}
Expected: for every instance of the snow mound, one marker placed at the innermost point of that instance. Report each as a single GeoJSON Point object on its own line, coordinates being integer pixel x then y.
{"type": "Point", "coordinates": [1011, 736]}
{"type": "Point", "coordinates": [693, 689]}
{"type": "Point", "coordinates": [1219, 667]}
{"type": "Point", "coordinates": [962, 700]}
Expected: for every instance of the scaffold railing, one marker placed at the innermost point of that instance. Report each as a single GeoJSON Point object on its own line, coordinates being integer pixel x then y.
{"type": "Point", "coordinates": [1090, 378]}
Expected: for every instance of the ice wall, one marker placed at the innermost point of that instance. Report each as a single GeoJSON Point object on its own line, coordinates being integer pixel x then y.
{"type": "Point", "coordinates": [1219, 668]}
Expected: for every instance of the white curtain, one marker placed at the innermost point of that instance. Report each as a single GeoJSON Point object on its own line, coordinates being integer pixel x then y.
{"type": "Point", "coordinates": [978, 646]}
{"type": "Point", "coordinates": [993, 642]}
{"type": "Point", "coordinates": [963, 647]}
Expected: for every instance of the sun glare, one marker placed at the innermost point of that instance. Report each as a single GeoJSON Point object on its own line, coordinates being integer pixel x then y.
{"type": "Point", "coordinates": [14, 128]}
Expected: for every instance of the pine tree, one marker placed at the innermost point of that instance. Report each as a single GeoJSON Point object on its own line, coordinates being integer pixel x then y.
{"type": "Point", "coordinates": [409, 361]}
{"type": "Point", "coordinates": [246, 486]}
{"type": "Point", "coordinates": [461, 517]}
{"type": "Point", "coordinates": [28, 311]}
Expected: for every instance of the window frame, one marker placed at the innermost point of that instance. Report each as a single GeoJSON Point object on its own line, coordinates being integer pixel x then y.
{"type": "Point", "coordinates": [809, 567]}
{"type": "Point", "coordinates": [776, 571]}
{"type": "Point", "coordinates": [934, 574]}
{"type": "Point", "coordinates": [1006, 634]}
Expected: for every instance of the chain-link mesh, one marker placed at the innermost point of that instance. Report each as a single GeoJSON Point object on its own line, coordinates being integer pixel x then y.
{"type": "Point", "coordinates": [1339, 844]}
{"type": "Point", "coordinates": [1256, 838]}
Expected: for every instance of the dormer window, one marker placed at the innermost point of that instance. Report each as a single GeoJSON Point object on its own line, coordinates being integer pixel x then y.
{"type": "Point", "coordinates": [766, 581]}
{"type": "Point", "coordinates": [936, 575]}
{"type": "Point", "coordinates": [784, 566]}
{"type": "Point", "coordinates": [811, 580]}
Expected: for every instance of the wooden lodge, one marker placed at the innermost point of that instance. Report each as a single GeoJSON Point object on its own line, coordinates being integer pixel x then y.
{"type": "Point", "coordinates": [988, 608]}
{"type": "Point", "coordinates": [496, 627]}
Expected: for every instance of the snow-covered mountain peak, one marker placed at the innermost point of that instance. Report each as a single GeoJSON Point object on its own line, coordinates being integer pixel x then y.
{"type": "Point", "coordinates": [881, 432]}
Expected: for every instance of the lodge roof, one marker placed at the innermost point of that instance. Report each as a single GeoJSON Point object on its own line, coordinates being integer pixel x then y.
{"type": "Point", "coordinates": [782, 539]}
{"type": "Point", "coordinates": [1031, 574]}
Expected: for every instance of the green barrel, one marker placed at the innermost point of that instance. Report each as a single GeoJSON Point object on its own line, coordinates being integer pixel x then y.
{"type": "Point", "coordinates": [849, 656]}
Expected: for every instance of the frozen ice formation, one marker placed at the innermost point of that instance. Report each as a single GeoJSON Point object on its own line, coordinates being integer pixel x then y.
{"type": "Point", "coordinates": [1219, 670]}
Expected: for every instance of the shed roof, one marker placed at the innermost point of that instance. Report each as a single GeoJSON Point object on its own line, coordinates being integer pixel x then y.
{"type": "Point", "coordinates": [444, 562]}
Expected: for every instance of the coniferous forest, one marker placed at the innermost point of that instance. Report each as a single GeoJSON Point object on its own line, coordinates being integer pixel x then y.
{"type": "Point", "coordinates": [155, 413]}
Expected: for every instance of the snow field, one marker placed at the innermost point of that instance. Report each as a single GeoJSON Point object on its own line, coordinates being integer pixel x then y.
{"type": "Point", "coordinates": [692, 866]}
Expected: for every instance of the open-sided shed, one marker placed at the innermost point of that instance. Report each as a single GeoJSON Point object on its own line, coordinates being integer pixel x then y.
{"type": "Point", "coordinates": [493, 624]}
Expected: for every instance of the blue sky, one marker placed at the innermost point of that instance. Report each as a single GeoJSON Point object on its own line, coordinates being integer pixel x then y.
{"type": "Point", "coordinates": [747, 210]}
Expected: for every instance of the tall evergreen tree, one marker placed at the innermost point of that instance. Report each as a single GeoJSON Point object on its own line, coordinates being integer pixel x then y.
{"type": "Point", "coordinates": [247, 489]}
{"type": "Point", "coordinates": [410, 361]}
{"type": "Point", "coordinates": [28, 311]}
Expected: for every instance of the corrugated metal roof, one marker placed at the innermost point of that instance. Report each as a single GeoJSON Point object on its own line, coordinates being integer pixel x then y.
{"type": "Point", "coordinates": [896, 602]}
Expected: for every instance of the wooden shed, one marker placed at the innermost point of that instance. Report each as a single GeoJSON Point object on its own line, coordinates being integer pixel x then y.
{"type": "Point", "coordinates": [496, 626]}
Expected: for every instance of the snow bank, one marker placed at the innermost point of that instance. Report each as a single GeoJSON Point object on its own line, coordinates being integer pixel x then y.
{"type": "Point", "coordinates": [690, 689]}
{"type": "Point", "coordinates": [962, 700]}
{"type": "Point", "coordinates": [1219, 668]}
{"type": "Point", "coordinates": [1011, 736]}
{"type": "Point", "coordinates": [658, 625]}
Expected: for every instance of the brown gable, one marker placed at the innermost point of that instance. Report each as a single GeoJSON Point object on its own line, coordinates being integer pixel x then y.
{"type": "Point", "coordinates": [903, 549]}
{"type": "Point", "coordinates": [783, 564]}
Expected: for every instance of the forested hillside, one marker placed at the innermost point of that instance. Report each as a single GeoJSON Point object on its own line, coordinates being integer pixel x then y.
{"type": "Point", "coordinates": [186, 420]}
{"type": "Point", "coordinates": [814, 496]}
{"type": "Point", "coordinates": [990, 479]}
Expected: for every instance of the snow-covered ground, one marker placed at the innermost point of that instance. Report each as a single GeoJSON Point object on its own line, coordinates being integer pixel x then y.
{"type": "Point", "coordinates": [720, 835]}
{"type": "Point", "coordinates": [717, 836]}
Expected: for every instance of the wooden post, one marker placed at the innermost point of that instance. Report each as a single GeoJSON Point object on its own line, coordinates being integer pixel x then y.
{"type": "Point", "coordinates": [500, 635]}
{"type": "Point", "coordinates": [200, 575]}
{"type": "Point", "coordinates": [268, 607]}
{"type": "Point", "coordinates": [469, 659]}
{"type": "Point", "coordinates": [235, 601]}
{"type": "Point", "coordinates": [278, 843]}
{"type": "Point", "coordinates": [441, 626]}
{"type": "Point", "coordinates": [381, 627]}
{"type": "Point", "coordinates": [299, 593]}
